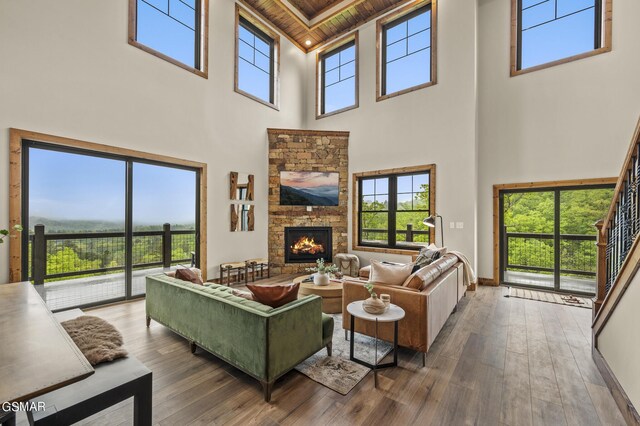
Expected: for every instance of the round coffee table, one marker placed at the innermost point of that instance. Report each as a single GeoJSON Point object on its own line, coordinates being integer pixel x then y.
{"type": "Point", "coordinates": [393, 314]}
{"type": "Point", "coordinates": [331, 294]}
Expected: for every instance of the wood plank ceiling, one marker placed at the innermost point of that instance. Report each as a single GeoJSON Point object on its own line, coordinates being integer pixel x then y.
{"type": "Point", "coordinates": [312, 23]}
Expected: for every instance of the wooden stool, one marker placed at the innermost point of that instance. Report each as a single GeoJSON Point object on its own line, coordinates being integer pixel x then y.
{"type": "Point", "coordinates": [260, 264]}
{"type": "Point", "coordinates": [239, 268]}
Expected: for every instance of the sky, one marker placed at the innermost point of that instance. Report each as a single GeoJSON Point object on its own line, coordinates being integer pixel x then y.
{"type": "Point", "coordinates": [80, 187]}
{"type": "Point", "coordinates": [308, 179]}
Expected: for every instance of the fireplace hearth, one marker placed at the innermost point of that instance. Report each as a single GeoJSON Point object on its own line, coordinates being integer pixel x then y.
{"type": "Point", "coordinates": [307, 244]}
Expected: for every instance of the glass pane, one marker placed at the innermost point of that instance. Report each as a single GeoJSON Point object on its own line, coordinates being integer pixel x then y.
{"type": "Point", "coordinates": [263, 47]}
{"type": "Point", "coordinates": [579, 210]}
{"type": "Point", "coordinates": [246, 35]}
{"type": "Point", "coordinates": [547, 37]}
{"type": "Point", "coordinates": [348, 55]}
{"type": "Point", "coordinates": [171, 34]}
{"type": "Point", "coordinates": [262, 62]}
{"type": "Point", "coordinates": [253, 81]}
{"type": "Point", "coordinates": [83, 196]}
{"type": "Point", "coordinates": [420, 183]}
{"type": "Point", "coordinates": [368, 203]}
{"type": "Point", "coordinates": [405, 183]}
{"type": "Point", "coordinates": [409, 71]}
{"type": "Point", "coordinates": [382, 202]}
{"type": "Point", "coordinates": [395, 33]}
{"type": "Point", "coordinates": [340, 95]}
{"type": "Point", "coordinates": [410, 230]}
{"type": "Point", "coordinates": [420, 22]}
{"type": "Point", "coordinates": [151, 184]}
{"type": "Point", "coordinates": [405, 201]}
{"type": "Point", "coordinates": [374, 228]}
{"type": "Point", "coordinates": [347, 70]}
{"type": "Point", "coordinates": [419, 41]}
{"type": "Point", "coordinates": [254, 65]}
{"type": "Point", "coordinates": [529, 225]}
{"type": "Point", "coordinates": [331, 62]}
{"type": "Point", "coordinates": [368, 186]}
{"type": "Point", "coordinates": [382, 186]}
{"type": "Point", "coordinates": [396, 50]}
{"type": "Point", "coordinates": [332, 77]}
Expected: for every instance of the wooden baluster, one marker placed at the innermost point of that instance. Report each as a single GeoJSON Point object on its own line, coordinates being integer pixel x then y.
{"type": "Point", "coordinates": [601, 268]}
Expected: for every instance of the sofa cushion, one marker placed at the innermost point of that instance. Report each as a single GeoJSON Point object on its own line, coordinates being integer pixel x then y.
{"type": "Point", "coordinates": [186, 274]}
{"type": "Point", "coordinates": [274, 295]}
{"type": "Point", "coordinates": [244, 294]}
{"type": "Point", "coordinates": [390, 274]}
{"type": "Point", "coordinates": [425, 276]}
{"type": "Point", "coordinates": [428, 255]}
{"type": "Point", "coordinates": [327, 329]}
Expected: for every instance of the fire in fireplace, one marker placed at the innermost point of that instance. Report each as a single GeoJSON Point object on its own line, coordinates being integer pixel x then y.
{"type": "Point", "coordinates": [307, 244]}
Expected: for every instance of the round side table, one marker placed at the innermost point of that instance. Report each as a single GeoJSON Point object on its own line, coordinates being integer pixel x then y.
{"type": "Point", "coordinates": [331, 294]}
{"type": "Point", "coordinates": [393, 314]}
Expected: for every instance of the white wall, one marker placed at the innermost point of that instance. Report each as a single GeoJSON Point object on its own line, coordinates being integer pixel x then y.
{"type": "Point", "coordinates": [431, 125]}
{"type": "Point", "coordinates": [571, 121]}
{"type": "Point", "coordinates": [618, 344]}
{"type": "Point", "coordinates": [67, 70]}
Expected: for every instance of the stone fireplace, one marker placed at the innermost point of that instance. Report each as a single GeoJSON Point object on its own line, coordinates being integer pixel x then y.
{"type": "Point", "coordinates": [306, 151]}
{"type": "Point", "coordinates": [304, 244]}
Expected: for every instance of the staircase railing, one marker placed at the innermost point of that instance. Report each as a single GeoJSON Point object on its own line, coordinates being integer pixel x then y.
{"type": "Point", "coordinates": [618, 232]}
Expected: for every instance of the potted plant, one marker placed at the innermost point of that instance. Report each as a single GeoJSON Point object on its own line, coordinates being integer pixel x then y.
{"type": "Point", "coordinates": [322, 271]}
{"type": "Point", "coordinates": [4, 233]}
{"type": "Point", "coordinates": [373, 305]}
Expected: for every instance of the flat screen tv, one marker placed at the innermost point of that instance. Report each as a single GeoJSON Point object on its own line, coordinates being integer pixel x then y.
{"type": "Point", "coordinates": [308, 189]}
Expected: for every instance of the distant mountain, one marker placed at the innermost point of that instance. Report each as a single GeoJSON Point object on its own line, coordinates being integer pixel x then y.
{"type": "Point", "coordinates": [320, 196]}
{"type": "Point", "coordinates": [79, 226]}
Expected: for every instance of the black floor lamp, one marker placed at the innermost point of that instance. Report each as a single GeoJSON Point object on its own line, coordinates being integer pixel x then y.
{"type": "Point", "coordinates": [431, 223]}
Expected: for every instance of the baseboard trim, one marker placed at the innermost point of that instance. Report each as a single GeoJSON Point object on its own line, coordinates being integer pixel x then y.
{"type": "Point", "coordinates": [619, 395]}
{"type": "Point", "coordinates": [488, 281]}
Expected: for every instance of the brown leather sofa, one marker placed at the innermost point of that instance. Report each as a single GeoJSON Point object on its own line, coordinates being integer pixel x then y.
{"type": "Point", "coordinates": [427, 307]}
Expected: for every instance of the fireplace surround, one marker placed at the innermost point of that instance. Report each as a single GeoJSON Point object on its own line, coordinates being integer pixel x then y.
{"type": "Point", "coordinates": [306, 244]}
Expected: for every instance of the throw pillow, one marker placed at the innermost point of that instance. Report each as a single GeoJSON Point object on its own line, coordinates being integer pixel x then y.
{"type": "Point", "coordinates": [98, 340]}
{"type": "Point", "coordinates": [186, 274]}
{"type": "Point", "coordinates": [428, 255]}
{"type": "Point", "coordinates": [197, 271]}
{"type": "Point", "coordinates": [390, 274]}
{"type": "Point", "coordinates": [274, 295]}
{"type": "Point", "coordinates": [244, 294]}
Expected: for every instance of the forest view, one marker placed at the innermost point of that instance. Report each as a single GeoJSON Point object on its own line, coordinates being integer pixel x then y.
{"type": "Point", "coordinates": [534, 213]}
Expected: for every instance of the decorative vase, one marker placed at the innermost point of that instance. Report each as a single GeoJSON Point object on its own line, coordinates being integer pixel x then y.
{"type": "Point", "coordinates": [374, 306]}
{"type": "Point", "coordinates": [321, 278]}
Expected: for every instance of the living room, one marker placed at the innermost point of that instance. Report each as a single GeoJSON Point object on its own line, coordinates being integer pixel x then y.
{"type": "Point", "coordinates": [479, 129]}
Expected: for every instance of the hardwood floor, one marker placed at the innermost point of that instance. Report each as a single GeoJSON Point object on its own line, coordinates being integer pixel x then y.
{"type": "Point", "coordinates": [498, 361]}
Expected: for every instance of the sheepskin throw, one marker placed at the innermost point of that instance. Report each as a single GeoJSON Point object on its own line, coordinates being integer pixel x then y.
{"type": "Point", "coordinates": [98, 340]}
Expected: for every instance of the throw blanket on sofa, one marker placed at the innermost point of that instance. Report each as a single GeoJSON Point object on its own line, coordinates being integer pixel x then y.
{"type": "Point", "coordinates": [469, 275]}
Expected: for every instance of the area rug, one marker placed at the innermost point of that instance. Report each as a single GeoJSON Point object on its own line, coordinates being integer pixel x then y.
{"type": "Point", "coordinates": [544, 296]}
{"type": "Point", "coordinates": [337, 372]}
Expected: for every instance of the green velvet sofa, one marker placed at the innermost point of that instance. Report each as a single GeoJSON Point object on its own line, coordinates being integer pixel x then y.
{"type": "Point", "coordinates": [261, 341]}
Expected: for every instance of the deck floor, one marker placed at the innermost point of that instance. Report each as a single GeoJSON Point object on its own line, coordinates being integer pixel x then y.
{"type": "Point", "coordinates": [498, 361]}
{"type": "Point", "coordinates": [568, 284]}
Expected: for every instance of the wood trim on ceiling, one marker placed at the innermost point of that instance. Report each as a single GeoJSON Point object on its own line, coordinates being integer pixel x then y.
{"type": "Point", "coordinates": [16, 137]}
{"type": "Point", "coordinates": [431, 168]}
{"type": "Point", "coordinates": [528, 185]}
{"type": "Point", "coordinates": [310, 26]}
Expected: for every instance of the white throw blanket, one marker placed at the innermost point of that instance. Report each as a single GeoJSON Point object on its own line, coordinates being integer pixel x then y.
{"type": "Point", "coordinates": [467, 270]}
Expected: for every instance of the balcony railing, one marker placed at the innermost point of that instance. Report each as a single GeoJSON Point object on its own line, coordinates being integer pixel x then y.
{"type": "Point", "coordinates": [404, 236]}
{"type": "Point", "coordinates": [535, 252]}
{"type": "Point", "coordinates": [74, 255]}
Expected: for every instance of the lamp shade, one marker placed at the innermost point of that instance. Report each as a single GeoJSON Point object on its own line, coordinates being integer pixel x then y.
{"type": "Point", "coordinates": [430, 221]}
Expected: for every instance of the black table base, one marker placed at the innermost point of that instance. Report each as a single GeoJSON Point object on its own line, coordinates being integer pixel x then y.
{"type": "Point", "coordinates": [375, 366]}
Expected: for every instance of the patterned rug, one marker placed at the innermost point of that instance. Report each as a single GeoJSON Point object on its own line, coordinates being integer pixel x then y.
{"type": "Point", "coordinates": [544, 296]}
{"type": "Point", "coordinates": [337, 372]}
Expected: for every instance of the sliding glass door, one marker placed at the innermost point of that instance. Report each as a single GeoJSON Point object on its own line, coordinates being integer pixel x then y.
{"type": "Point", "coordinates": [99, 223]}
{"type": "Point", "coordinates": [547, 236]}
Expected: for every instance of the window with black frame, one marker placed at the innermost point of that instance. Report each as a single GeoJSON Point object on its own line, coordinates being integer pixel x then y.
{"type": "Point", "coordinates": [255, 62]}
{"type": "Point", "coordinates": [406, 52]}
{"type": "Point", "coordinates": [338, 81]}
{"type": "Point", "coordinates": [392, 208]}
{"type": "Point", "coordinates": [553, 30]}
{"type": "Point", "coordinates": [172, 28]}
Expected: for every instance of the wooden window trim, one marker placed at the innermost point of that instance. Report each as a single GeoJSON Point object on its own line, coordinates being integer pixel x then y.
{"type": "Point", "coordinates": [355, 231]}
{"type": "Point", "coordinates": [325, 50]}
{"type": "Point", "coordinates": [380, 23]}
{"type": "Point", "coordinates": [241, 12]}
{"type": "Point", "coordinates": [16, 137]}
{"type": "Point", "coordinates": [494, 281]}
{"type": "Point", "coordinates": [606, 34]}
{"type": "Point", "coordinates": [204, 40]}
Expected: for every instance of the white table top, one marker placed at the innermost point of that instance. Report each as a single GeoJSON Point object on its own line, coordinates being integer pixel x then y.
{"type": "Point", "coordinates": [394, 313]}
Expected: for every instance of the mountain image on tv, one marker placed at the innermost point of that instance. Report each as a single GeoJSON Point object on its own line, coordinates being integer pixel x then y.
{"type": "Point", "coordinates": [309, 189]}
